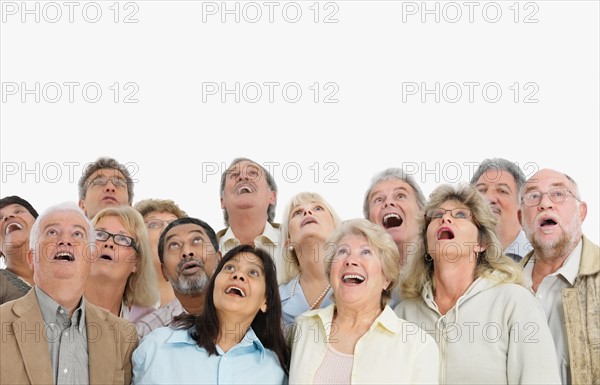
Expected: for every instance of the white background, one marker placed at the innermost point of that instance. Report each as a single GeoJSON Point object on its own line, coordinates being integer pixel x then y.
{"type": "Point", "coordinates": [176, 143]}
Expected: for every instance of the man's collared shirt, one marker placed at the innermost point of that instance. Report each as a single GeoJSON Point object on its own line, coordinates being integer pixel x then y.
{"type": "Point", "coordinates": [159, 318]}
{"type": "Point", "coordinates": [67, 340]}
{"type": "Point", "coordinates": [268, 240]}
{"type": "Point", "coordinates": [549, 293]}
{"type": "Point", "coordinates": [519, 247]}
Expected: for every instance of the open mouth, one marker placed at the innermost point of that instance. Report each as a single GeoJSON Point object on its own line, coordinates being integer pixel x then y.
{"type": "Point", "coordinates": [353, 279]}
{"type": "Point", "coordinates": [190, 267]}
{"type": "Point", "coordinates": [13, 227]}
{"type": "Point", "coordinates": [308, 221]}
{"type": "Point", "coordinates": [106, 257]}
{"type": "Point", "coordinates": [548, 222]}
{"type": "Point", "coordinates": [234, 290]}
{"type": "Point", "coordinates": [445, 233]}
{"type": "Point", "coordinates": [391, 220]}
{"type": "Point", "coordinates": [64, 256]}
{"type": "Point", "coordinates": [244, 189]}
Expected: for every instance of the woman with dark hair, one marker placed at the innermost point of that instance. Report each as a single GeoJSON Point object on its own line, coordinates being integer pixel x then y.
{"type": "Point", "coordinates": [237, 339]}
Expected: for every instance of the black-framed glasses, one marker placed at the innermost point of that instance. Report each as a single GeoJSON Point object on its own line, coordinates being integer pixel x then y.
{"type": "Point", "coordinates": [458, 213]}
{"type": "Point", "coordinates": [119, 239]}
{"type": "Point", "coordinates": [102, 180]}
{"type": "Point", "coordinates": [157, 224]}
{"type": "Point", "coordinates": [556, 195]}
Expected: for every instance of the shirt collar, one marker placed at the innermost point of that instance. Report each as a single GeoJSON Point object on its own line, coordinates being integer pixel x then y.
{"type": "Point", "coordinates": [570, 267]}
{"type": "Point", "coordinates": [250, 339]}
{"type": "Point", "coordinates": [387, 318]}
{"type": "Point", "coordinates": [51, 310]}
{"type": "Point", "coordinates": [520, 246]}
{"type": "Point", "coordinates": [269, 235]}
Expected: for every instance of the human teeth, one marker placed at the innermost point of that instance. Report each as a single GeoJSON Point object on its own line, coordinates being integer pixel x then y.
{"type": "Point", "coordinates": [12, 227]}
{"type": "Point", "coordinates": [240, 291]}
{"type": "Point", "coordinates": [349, 277]}
{"type": "Point", "coordinates": [244, 189]}
{"type": "Point", "coordinates": [391, 220]}
{"type": "Point", "coordinates": [65, 256]}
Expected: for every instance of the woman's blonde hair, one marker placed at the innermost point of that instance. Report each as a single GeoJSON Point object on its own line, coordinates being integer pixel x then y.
{"type": "Point", "coordinates": [141, 287]}
{"type": "Point", "coordinates": [290, 266]}
{"type": "Point", "coordinates": [491, 262]}
{"type": "Point", "coordinates": [380, 240]}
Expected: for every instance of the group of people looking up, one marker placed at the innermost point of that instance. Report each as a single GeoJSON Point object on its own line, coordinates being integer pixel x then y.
{"type": "Point", "coordinates": [487, 282]}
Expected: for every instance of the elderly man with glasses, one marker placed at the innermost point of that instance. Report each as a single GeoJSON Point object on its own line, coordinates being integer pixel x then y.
{"type": "Point", "coordinates": [563, 271]}
{"type": "Point", "coordinates": [104, 183]}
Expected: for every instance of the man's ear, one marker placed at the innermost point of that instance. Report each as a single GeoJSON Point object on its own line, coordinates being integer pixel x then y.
{"type": "Point", "coordinates": [30, 258]}
{"type": "Point", "coordinates": [582, 211]}
{"type": "Point", "coordinates": [82, 206]}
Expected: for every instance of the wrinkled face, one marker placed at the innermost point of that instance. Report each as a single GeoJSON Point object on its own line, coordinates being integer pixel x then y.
{"type": "Point", "coordinates": [189, 258]}
{"type": "Point", "coordinates": [105, 188]}
{"type": "Point", "coordinates": [393, 205]}
{"type": "Point", "coordinates": [246, 187]}
{"type": "Point", "coordinates": [552, 225]}
{"type": "Point", "coordinates": [115, 261]}
{"type": "Point", "coordinates": [240, 287]}
{"type": "Point", "coordinates": [356, 274]}
{"type": "Point", "coordinates": [452, 236]}
{"type": "Point", "coordinates": [156, 222]}
{"type": "Point", "coordinates": [500, 189]}
{"type": "Point", "coordinates": [15, 225]}
{"type": "Point", "coordinates": [62, 256]}
{"type": "Point", "coordinates": [309, 220]}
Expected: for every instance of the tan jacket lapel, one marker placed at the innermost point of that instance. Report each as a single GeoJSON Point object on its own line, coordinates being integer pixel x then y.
{"type": "Point", "coordinates": [32, 341]}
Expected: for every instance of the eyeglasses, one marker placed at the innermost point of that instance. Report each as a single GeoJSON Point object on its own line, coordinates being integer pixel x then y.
{"type": "Point", "coordinates": [456, 213]}
{"type": "Point", "coordinates": [119, 239]}
{"type": "Point", "coordinates": [103, 181]}
{"type": "Point", "coordinates": [156, 224]}
{"type": "Point", "coordinates": [556, 195]}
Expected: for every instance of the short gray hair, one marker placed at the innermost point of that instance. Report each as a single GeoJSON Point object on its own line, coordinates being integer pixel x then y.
{"type": "Point", "coordinates": [61, 207]}
{"type": "Point", "coordinates": [500, 164]}
{"type": "Point", "coordinates": [389, 174]}
{"type": "Point", "coordinates": [105, 163]}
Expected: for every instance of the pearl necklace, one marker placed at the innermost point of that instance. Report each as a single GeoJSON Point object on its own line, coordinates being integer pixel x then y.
{"type": "Point", "coordinates": [314, 305]}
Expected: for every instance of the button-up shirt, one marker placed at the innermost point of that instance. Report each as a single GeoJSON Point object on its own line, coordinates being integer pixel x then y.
{"type": "Point", "coordinates": [269, 240]}
{"type": "Point", "coordinates": [159, 318]}
{"type": "Point", "coordinates": [248, 362]}
{"type": "Point", "coordinates": [519, 247]}
{"type": "Point", "coordinates": [67, 340]}
{"type": "Point", "coordinates": [549, 293]}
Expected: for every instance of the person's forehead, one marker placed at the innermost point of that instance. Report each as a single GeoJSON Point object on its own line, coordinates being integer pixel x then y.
{"type": "Point", "coordinates": [66, 218]}
{"type": "Point", "coordinates": [185, 229]}
{"type": "Point", "coordinates": [393, 184]}
{"type": "Point", "coordinates": [106, 172]}
{"type": "Point", "coordinates": [496, 176]}
{"type": "Point", "coordinates": [244, 164]}
{"type": "Point", "coordinates": [548, 178]}
{"type": "Point", "coordinates": [11, 207]}
{"type": "Point", "coordinates": [248, 258]}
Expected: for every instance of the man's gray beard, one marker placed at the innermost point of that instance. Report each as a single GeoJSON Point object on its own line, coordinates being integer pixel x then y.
{"type": "Point", "coordinates": [558, 248]}
{"type": "Point", "coordinates": [190, 285]}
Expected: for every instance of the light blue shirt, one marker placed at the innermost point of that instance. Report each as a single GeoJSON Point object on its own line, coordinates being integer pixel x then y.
{"type": "Point", "coordinates": [294, 305]}
{"type": "Point", "coordinates": [168, 356]}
